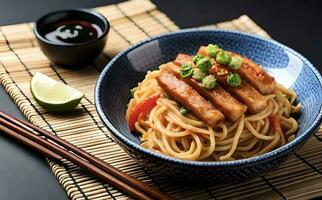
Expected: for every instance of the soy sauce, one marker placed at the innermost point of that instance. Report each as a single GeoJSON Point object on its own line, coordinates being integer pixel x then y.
{"type": "Point", "coordinates": [72, 31]}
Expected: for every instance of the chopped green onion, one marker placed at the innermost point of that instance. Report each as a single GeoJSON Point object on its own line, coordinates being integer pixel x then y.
{"type": "Point", "coordinates": [204, 64]}
{"type": "Point", "coordinates": [235, 62]}
{"type": "Point", "coordinates": [183, 111]}
{"type": "Point", "coordinates": [212, 50]}
{"type": "Point", "coordinates": [223, 57]}
{"type": "Point", "coordinates": [186, 70]}
{"type": "Point", "coordinates": [197, 57]}
{"type": "Point", "coordinates": [209, 82]}
{"type": "Point", "coordinates": [234, 80]}
{"type": "Point", "coordinates": [133, 91]}
{"type": "Point", "coordinates": [198, 74]}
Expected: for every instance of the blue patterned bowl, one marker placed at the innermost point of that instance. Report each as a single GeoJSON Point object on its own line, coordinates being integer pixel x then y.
{"type": "Point", "coordinates": [129, 67]}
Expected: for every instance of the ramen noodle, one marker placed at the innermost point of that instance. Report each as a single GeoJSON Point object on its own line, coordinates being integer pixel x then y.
{"type": "Point", "coordinates": [217, 112]}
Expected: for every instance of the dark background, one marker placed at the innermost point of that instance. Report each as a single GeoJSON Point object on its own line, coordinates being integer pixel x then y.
{"type": "Point", "coordinates": [297, 24]}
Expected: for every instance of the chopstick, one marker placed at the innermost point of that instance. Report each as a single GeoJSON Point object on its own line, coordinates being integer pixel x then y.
{"type": "Point", "coordinates": [31, 135]}
{"type": "Point", "coordinates": [99, 163]}
{"type": "Point", "coordinates": [31, 144]}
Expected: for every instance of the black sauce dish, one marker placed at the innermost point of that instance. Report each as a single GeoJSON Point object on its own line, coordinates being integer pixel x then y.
{"type": "Point", "coordinates": [68, 50]}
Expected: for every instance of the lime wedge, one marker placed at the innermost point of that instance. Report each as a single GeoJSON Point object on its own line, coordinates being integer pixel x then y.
{"type": "Point", "coordinates": [53, 95]}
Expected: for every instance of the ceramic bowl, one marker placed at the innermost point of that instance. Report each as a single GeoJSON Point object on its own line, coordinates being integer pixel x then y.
{"type": "Point", "coordinates": [71, 55]}
{"type": "Point", "coordinates": [130, 66]}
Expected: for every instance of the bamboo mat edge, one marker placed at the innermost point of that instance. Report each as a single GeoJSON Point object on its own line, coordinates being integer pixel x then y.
{"type": "Point", "coordinates": [23, 104]}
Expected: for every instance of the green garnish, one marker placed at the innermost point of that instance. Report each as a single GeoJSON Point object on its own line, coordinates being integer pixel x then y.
{"type": "Point", "coordinates": [133, 91]}
{"type": "Point", "coordinates": [183, 111]}
{"type": "Point", "coordinates": [197, 57]}
{"type": "Point", "coordinates": [198, 74]}
{"type": "Point", "coordinates": [186, 70]}
{"type": "Point", "coordinates": [204, 64]}
{"type": "Point", "coordinates": [235, 62]}
{"type": "Point", "coordinates": [209, 82]}
{"type": "Point", "coordinates": [234, 80]}
{"type": "Point", "coordinates": [212, 50]}
{"type": "Point", "coordinates": [223, 57]}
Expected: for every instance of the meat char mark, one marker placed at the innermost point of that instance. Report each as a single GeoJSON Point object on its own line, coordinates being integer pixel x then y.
{"type": "Point", "coordinates": [189, 98]}
{"type": "Point", "coordinates": [253, 73]}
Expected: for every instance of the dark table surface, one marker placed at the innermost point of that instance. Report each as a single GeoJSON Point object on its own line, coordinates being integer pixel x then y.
{"type": "Point", "coordinates": [25, 175]}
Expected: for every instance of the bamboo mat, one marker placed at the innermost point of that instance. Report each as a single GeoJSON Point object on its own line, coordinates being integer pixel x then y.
{"type": "Point", "coordinates": [298, 178]}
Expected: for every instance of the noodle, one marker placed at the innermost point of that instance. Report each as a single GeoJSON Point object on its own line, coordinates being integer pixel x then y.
{"type": "Point", "coordinates": [167, 131]}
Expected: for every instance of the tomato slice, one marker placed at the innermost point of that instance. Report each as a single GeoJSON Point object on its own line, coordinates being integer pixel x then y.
{"type": "Point", "coordinates": [143, 107]}
{"type": "Point", "coordinates": [275, 122]}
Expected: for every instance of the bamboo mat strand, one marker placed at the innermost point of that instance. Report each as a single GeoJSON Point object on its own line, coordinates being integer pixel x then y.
{"type": "Point", "coordinates": [131, 21]}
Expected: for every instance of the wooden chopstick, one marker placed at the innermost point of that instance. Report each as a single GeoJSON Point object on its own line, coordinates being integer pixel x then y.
{"type": "Point", "coordinates": [97, 162]}
{"type": "Point", "coordinates": [31, 144]}
{"type": "Point", "coordinates": [78, 161]}
{"type": "Point", "coordinates": [86, 161]}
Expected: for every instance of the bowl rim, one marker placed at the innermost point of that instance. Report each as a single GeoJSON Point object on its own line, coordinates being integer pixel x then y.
{"type": "Point", "coordinates": [269, 155]}
{"type": "Point", "coordinates": [99, 16]}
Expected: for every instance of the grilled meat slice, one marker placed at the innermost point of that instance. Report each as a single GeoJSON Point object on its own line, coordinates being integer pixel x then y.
{"type": "Point", "coordinates": [253, 73]}
{"type": "Point", "coordinates": [244, 92]}
{"type": "Point", "coordinates": [224, 102]}
{"type": "Point", "coordinates": [189, 98]}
